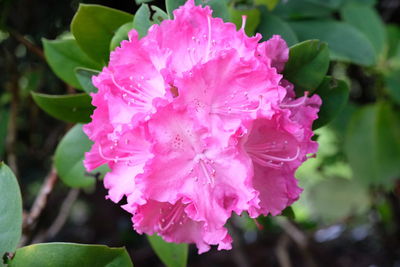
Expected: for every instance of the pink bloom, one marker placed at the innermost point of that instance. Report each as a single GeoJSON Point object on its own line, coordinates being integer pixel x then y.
{"type": "Point", "coordinates": [195, 122]}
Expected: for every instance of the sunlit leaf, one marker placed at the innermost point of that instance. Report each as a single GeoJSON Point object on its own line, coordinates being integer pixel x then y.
{"type": "Point", "coordinates": [373, 144]}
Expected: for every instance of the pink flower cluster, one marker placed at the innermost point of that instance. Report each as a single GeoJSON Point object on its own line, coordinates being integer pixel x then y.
{"type": "Point", "coordinates": [195, 122]}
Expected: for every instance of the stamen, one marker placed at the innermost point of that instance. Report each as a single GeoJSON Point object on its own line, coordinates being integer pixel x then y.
{"type": "Point", "coordinates": [171, 217]}
{"type": "Point", "coordinates": [209, 38]}
{"type": "Point", "coordinates": [244, 18]}
{"type": "Point", "coordinates": [133, 160]}
{"type": "Point", "coordinates": [299, 103]}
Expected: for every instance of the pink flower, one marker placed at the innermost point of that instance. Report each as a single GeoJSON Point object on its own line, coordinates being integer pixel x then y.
{"type": "Point", "coordinates": [195, 122]}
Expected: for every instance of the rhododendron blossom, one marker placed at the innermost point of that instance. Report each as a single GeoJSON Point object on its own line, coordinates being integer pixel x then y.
{"type": "Point", "coordinates": [196, 121]}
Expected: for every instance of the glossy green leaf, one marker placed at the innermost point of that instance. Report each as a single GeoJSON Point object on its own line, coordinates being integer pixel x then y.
{"type": "Point", "coordinates": [171, 5]}
{"type": "Point", "coordinates": [70, 255]}
{"type": "Point", "coordinates": [270, 4]}
{"type": "Point", "coordinates": [120, 34]}
{"type": "Point", "coordinates": [253, 18]}
{"type": "Point", "coordinates": [271, 24]}
{"type": "Point", "coordinates": [71, 108]}
{"type": "Point", "coordinates": [367, 20]}
{"type": "Point", "coordinates": [69, 157]}
{"type": "Point", "coordinates": [171, 254]}
{"type": "Point", "coordinates": [219, 8]}
{"type": "Point", "coordinates": [64, 56]}
{"type": "Point", "coordinates": [334, 4]}
{"type": "Point", "coordinates": [307, 65]}
{"type": "Point", "coordinates": [84, 77]}
{"type": "Point", "coordinates": [94, 26]}
{"type": "Point", "coordinates": [10, 211]}
{"type": "Point", "coordinates": [334, 94]}
{"type": "Point", "coordinates": [373, 145]}
{"type": "Point", "coordinates": [346, 43]}
{"type": "Point", "coordinates": [142, 21]}
{"type": "Point", "coordinates": [159, 14]}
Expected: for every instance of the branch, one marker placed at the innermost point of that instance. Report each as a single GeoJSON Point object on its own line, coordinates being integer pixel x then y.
{"type": "Point", "coordinates": [299, 238]}
{"type": "Point", "coordinates": [38, 206]}
{"type": "Point", "coordinates": [28, 44]}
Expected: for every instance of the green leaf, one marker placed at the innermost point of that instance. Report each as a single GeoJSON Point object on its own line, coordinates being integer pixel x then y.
{"type": "Point", "coordinates": [70, 255]}
{"type": "Point", "coordinates": [71, 108]}
{"type": "Point", "coordinates": [94, 26]}
{"type": "Point", "coordinates": [253, 18]}
{"type": "Point", "coordinates": [84, 77]}
{"type": "Point", "coordinates": [219, 8]}
{"type": "Point", "coordinates": [159, 14]}
{"type": "Point", "coordinates": [69, 157]}
{"type": "Point", "coordinates": [120, 34]}
{"type": "Point", "coordinates": [392, 81]}
{"type": "Point", "coordinates": [367, 20]}
{"type": "Point", "coordinates": [335, 198]}
{"type": "Point", "coordinates": [373, 145]}
{"type": "Point", "coordinates": [346, 43]}
{"type": "Point", "coordinates": [138, 2]}
{"type": "Point", "coordinates": [334, 4]}
{"type": "Point", "coordinates": [300, 9]}
{"type": "Point", "coordinates": [334, 94]}
{"type": "Point", "coordinates": [10, 211]}
{"type": "Point", "coordinates": [271, 24]}
{"type": "Point", "coordinates": [270, 4]}
{"type": "Point", "coordinates": [142, 21]}
{"type": "Point", "coordinates": [393, 41]}
{"type": "Point", "coordinates": [307, 65]}
{"type": "Point", "coordinates": [4, 118]}
{"type": "Point", "coordinates": [64, 56]}
{"type": "Point", "coordinates": [171, 254]}
{"type": "Point", "coordinates": [171, 5]}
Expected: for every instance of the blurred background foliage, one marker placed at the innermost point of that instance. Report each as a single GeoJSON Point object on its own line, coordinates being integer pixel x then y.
{"type": "Point", "coordinates": [349, 213]}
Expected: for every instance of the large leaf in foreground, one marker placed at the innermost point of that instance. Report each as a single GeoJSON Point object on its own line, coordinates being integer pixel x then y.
{"type": "Point", "coordinates": [307, 65]}
{"type": "Point", "coordinates": [171, 254]}
{"type": "Point", "coordinates": [94, 26]}
{"type": "Point", "coordinates": [70, 255]}
{"type": "Point", "coordinates": [64, 56]}
{"type": "Point", "coordinates": [70, 108]}
{"type": "Point", "coordinates": [10, 211]}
